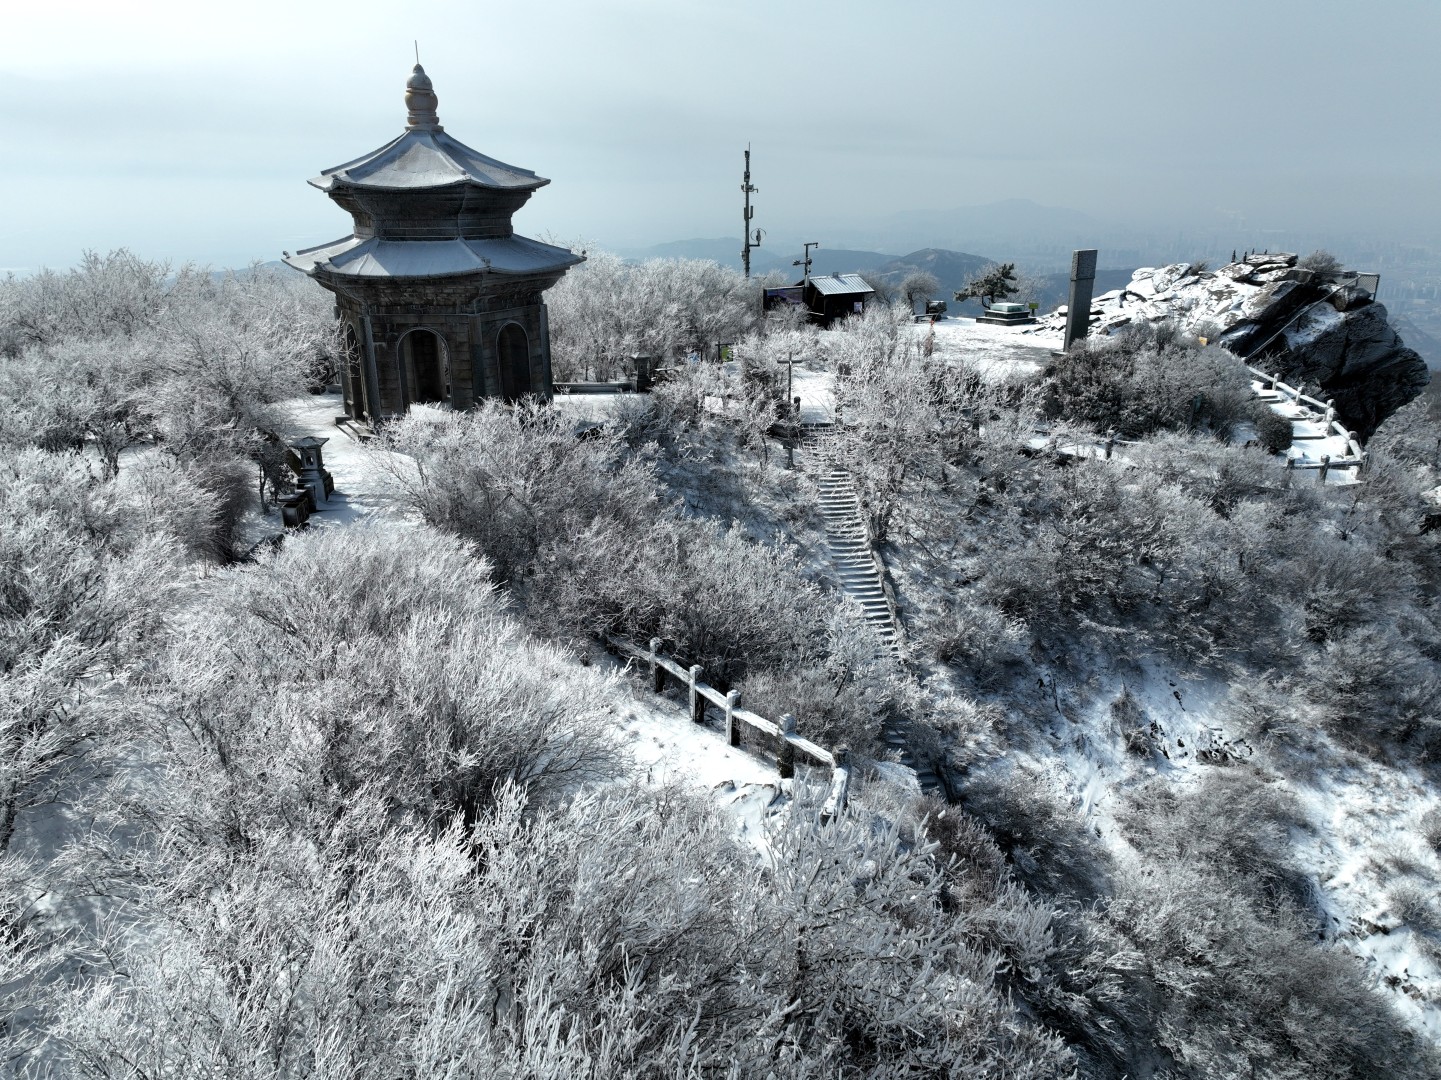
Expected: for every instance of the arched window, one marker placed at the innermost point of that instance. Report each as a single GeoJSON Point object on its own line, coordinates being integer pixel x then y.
{"type": "Point", "coordinates": [425, 366]}
{"type": "Point", "coordinates": [513, 348]}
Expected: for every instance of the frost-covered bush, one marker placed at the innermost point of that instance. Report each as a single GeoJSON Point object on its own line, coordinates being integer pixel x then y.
{"type": "Point", "coordinates": [83, 587]}
{"type": "Point", "coordinates": [120, 353]}
{"type": "Point", "coordinates": [577, 530]}
{"type": "Point", "coordinates": [839, 699]}
{"type": "Point", "coordinates": [622, 933]}
{"type": "Point", "coordinates": [1374, 689]}
{"type": "Point", "coordinates": [1273, 431]}
{"type": "Point", "coordinates": [1046, 842]}
{"type": "Point", "coordinates": [366, 663]}
{"type": "Point", "coordinates": [1149, 378]}
{"type": "Point", "coordinates": [517, 482]}
{"type": "Point", "coordinates": [974, 636]}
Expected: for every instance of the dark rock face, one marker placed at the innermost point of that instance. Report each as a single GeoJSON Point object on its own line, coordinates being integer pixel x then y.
{"type": "Point", "coordinates": [1355, 357]}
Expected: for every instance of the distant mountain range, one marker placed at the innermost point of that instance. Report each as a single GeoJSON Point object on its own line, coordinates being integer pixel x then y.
{"type": "Point", "coordinates": [953, 269]}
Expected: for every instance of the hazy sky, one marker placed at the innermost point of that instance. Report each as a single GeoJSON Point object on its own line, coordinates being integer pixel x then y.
{"type": "Point", "coordinates": [187, 131]}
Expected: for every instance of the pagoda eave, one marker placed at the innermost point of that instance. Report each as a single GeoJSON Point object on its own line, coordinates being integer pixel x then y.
{"type": "Point", "coordinates": [356, 257]}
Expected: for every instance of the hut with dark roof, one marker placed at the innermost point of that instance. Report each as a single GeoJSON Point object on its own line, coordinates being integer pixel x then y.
{"type": "Point", "coordinates": [441, 301]}
{"type": "Point", "coordinates": [834, 296]}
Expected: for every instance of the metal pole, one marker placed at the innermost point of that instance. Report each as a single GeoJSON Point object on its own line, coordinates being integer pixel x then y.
{"type": "Point", "coordinates": [806, 262]}
{"type": "Point", "coordinates": [747, 213]}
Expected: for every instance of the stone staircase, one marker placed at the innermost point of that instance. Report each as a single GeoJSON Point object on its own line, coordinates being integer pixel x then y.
{"type": "Point", "coordinates": [856, 566]}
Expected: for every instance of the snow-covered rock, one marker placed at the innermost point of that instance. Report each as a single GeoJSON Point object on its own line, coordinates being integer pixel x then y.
{"type": "Point", "coordinates": [1325, 331]}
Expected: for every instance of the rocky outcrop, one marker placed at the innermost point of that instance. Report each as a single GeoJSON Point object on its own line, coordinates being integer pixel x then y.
{"type": "Point", "coordinates": [1323, 330]}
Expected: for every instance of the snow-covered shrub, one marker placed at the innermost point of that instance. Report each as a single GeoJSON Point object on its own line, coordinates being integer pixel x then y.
{"type": "Point", "coordinates": [1230, 987]}
{"type": "Point", "coordinates": [366, 662]}
{"type": "Point", "coordinates": [1431, 828]}
{"type": "Point", "coordinates": [1273, 431]}
{"type": "Point", "coordinates": [839, 699]}
{"type": "Point", "coordinates": [1235, 823]}
{"type": "Point", "coordinates": [973, 636]}
{"type": "Point", "coordinates": [1416, 905]}
{"type": "Point", "coordinates": [576, 529]}
{"type": "Point", "coordinates": [1320, 262]}
{"type": "Point", "coordinates": [1049, 846]}
{"type": "Point", "coordinates": [875, 976]}
{"type": "Point", "coordinates": [83, 588]}
{"type": "Point", "coordinates": [1148, 378]}
{"type": "Point", "coordinates": [735, 604]}
{"type": "Point", "coordinates": [517, 481]}
{"type": "Point", "coordinates": [1374, 689]}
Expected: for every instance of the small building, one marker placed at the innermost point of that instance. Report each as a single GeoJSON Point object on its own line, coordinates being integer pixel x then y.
{"type": "Point", "coordinates": [441, 301]}
{"type": "Point", "coordinates": [834, 296]}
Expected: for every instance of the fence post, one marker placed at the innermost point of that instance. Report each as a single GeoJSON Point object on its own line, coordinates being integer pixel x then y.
{"type": "Point", "coordinates": [1290, 468]}
{"type": "Point", "coordinates": [1325, 467]}
{"type": "Point", "coordinates": [1330, 411]}
{"type": "Point", "coordinates": [1110, 444]}
{"type": "Point", "coordinates": [835, 804]}
{"type": "Point", "coordinates": [786, 754]}
{"type": "Point", "coordinates": [733, 700]}
{"type": "Point", "coordinates": [697, 703]}
{"type": "Point", "coordinates": [657, 673]}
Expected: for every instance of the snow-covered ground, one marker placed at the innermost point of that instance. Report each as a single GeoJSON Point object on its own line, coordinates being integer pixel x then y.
{"type": "Point", "coordinates": [995, 349]}
{"type": "Point", "coordinates": [359, 471]}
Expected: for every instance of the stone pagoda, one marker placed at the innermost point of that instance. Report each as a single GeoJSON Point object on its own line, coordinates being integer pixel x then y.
{"type": "Point", "coordinates": [440, 299]}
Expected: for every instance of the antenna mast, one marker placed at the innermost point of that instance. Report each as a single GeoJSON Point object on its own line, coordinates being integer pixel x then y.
{"type": "Point", "coordinates": [806, 262]}
{"type": "Point", "coordinates": [751, 240]}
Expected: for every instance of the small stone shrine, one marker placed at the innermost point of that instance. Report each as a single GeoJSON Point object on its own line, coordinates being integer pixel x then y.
{"type": "Point", "coordinates": [441, 301]}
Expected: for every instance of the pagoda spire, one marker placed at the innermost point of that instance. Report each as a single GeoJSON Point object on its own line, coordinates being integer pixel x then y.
{"type": "Point", "coordinates": [420, 102]}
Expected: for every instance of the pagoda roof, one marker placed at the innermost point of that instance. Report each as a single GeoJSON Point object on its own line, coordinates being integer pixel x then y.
{"type": "Point", "coordinates": [426, 157]}
{"type": "Point", "coordinates": [373, 257]}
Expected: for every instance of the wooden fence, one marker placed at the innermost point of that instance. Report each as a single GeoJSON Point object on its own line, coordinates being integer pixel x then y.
{"type": "Point", "coordinates": [789, 743]}
{"type": "Point", "coordinates": [1355, 455]}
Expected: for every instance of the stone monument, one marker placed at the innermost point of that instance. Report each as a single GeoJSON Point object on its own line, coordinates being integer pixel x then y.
{"type": "Point", "coordinates": [1078, 303]}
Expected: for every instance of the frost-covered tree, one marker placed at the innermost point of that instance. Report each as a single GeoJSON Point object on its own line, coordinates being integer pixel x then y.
{"type": "Point", "coordinates": [607, 310]}
{"type": "Point", "coordinates": [995, 281]}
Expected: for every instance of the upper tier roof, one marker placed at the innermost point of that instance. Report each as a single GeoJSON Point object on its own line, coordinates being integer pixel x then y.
{"type": "Point", "coordinates": [422, 159]}
{"type": "Point", "coordinates": [425, 156]}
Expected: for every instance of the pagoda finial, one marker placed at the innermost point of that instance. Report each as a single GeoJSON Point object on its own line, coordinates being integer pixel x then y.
{"type": "Point", "coordinates": [420, 101]}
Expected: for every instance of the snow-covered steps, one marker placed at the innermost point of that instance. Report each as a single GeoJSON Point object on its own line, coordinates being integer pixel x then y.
{"type": "Point", "coordinates": [855, 565]}
{"type": "Point", "coordinates": [850, 550]}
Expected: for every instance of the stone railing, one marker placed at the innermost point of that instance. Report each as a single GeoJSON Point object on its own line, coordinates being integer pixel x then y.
{"type": "Point", "coordinates": [787, 741]}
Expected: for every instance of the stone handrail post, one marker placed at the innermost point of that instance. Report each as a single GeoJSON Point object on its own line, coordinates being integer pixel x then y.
{"type": "Point", "coordinates": [733, 735]}
{"type": "Point", "coordinates": [697, 701]}
{"type": "Point", "coordinates": [786, 757]}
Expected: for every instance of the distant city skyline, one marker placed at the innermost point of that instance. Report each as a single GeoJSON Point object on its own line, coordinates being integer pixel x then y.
{"type": "Point", "coordinates": [188, 133]}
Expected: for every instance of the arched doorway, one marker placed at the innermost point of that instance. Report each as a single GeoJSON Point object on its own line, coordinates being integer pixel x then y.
{"type": "Point", "coordinates": [513, 349]}
{"type": "Point", "coordinates": [424, 356]}
{"type": "Point", "coordinates": [352, 382]}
